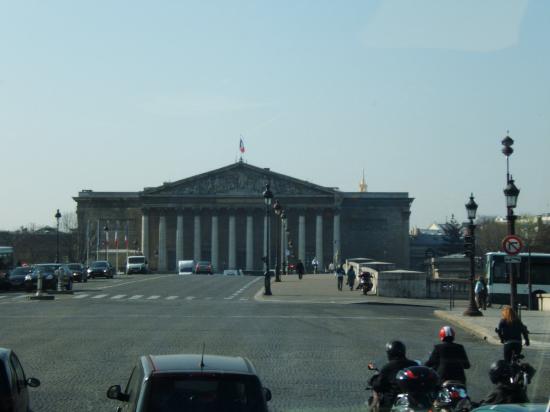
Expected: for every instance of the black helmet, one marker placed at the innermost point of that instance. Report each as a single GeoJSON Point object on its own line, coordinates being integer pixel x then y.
{"type": "Point", "coordinates": [500, 371]}
{"type": "Point", "coordinates": [417, 379]}
{"type": "Point", "coordinates": [396, 349]}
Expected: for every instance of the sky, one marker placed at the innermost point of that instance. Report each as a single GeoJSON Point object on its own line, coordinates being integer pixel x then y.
{"type": "Point", "coordinates": [122, 95]}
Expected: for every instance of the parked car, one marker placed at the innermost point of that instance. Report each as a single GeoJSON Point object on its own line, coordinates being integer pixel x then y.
{"type": "Point", "coordinates": [16, 277]}
{"type": "Point", "coordinates": [49, 276]}
{"type": "Point", "coordinates": [100, 268]}
{"type": "Point", "coordinates": [78, 272]}
{"type": "Point", "coordinates": [203, 267]}
{"type": "Point", "coordinates": [192, 382]}
{"type": "Point", "coordinates": [14, 394]}
{"type": "Point", "coordinates": [136, 264]}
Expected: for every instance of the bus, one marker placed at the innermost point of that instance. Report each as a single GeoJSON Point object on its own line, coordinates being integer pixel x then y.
{"type": "Point", "coordinates": [6, 259]}
{"type": "Point", "coordinates": [531, 266]}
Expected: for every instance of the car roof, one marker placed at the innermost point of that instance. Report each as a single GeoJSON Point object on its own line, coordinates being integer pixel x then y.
{"type": "Point", "coordinates": [192, 363]}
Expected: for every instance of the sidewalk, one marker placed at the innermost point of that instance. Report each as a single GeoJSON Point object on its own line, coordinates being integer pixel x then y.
{"type": "Point", "coordinates": [322, 289]}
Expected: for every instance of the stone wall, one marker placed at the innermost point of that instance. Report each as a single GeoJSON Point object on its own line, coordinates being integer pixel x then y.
{"type": "Point", "coordinates": [402, 284]}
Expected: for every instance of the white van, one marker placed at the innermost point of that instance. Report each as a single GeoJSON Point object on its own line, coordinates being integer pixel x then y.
{"type": "Point", "coordinates": [186, 267]}
{"type": "Point", "coordinates": [136, 264]}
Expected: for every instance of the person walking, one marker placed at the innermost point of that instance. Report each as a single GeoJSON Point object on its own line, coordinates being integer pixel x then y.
{"type": "Point", "coordinates": [300, 269]}
{"type": "Point", "coordinates": [331, 267]}
{"type": "Point", "coordinates": [448, 358]}
{"type": "Point", "coordinates": [340, 273]}
{"type": "Point", "coordinates": [315, 264]}
{"type": "Point", "coordinates": [510, 330]}
{"type": "Point", "coordinates": [480, 291]}
{"type": "Point", "coordinates": [351, 277]}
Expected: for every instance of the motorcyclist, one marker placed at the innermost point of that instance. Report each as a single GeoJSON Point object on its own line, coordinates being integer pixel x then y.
{"type": "Point", "coordinates": [506, 389]}
{"type": "Point", "coordinates": [384, 383]}
{"type": "Point", "coordinates": [449, 359]}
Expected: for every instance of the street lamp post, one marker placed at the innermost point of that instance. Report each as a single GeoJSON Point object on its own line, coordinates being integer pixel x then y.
{"type": "Point", "coordinates": [511, 193]}
{"type": "Point", "coordinates": [106, 230]}
{"type": "Point", "coordinates": [268, 197]}
{"type": "Point", "coordinates": [57, 217]}
{"type": "Point", "coordinates": [278, 209]}
{"type": "Point", "coordinates": [284, 241]}
{"type": "Point", "coordinates": [470, 250]}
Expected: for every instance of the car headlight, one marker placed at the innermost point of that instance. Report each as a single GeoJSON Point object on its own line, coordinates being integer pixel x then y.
{"type": "Point", "coordinates": [28, 277]}
{"type": "Point", "coordinates": [75, 274]}
{"type": "Point", "coordinates": [49, 277]}
{"type": "Point", "coordinates": [89, 270]}
{"type": "Point", "coordinates": [105, 270]}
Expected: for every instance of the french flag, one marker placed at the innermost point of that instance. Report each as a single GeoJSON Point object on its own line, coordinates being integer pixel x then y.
{"type": "Point", "coordinates": [241, 146]}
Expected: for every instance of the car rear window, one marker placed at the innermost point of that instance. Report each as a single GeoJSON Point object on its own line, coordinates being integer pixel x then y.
{"type": "Point", "coordinates": [136, 260]}
{"type": "Point", "coordinates": [238, 393]}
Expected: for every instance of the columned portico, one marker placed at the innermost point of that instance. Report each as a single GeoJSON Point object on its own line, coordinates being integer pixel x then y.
{"type": "Point", "coordinates": [302, 238]}
{"type": "Point", "coordinates": [162, 244]}
{"type": "Point", "coordinates": [179, 237]}
{"type": "Point", "coordinates": [249, 242]}
{"type": "Point", "coordinates": [319, 240]}
{"type": "Point", "coordinates": [145, 233]}
{"type": "Point", "coordinates": [197, 236]}
{"type": "Point", "coordinates": [232, 242]}
{"type": "Point", "coordinates": [336, 238]}
{"type": "Point", "coordinates": [215, 242]}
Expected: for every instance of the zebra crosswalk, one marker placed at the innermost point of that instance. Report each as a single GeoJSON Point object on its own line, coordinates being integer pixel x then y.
{"type": "Point", "coordinates": [122, 297]}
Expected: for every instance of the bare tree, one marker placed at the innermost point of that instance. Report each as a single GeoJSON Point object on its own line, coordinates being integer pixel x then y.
{"type": "Point", "coordinates": [69, 221]}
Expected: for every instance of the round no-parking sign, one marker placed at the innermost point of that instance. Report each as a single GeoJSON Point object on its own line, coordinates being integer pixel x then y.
{"type": "Point", "coordinates": [512, 244]}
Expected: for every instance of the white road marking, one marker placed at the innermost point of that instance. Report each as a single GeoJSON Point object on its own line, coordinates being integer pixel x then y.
{"type": "Point", "coordinates": [189, 298]}
{"type": "Point", "coordinates": [118, 296]}
{"type": "Point", "coordinates": [135, 297]}
{"type": "Point", "coordinates": [2, 297]}
{"type": "Point", "coordinates": [153, 297]}
{"type": "Point", "coordinates": [99, 296]}
{"type": "Point", "coordinates": [20, 296]}
{"type": "Point", "coordinates": [171, 297]}
{"type": "Point", "coordinates": [80, 296]}
{"type": "Point", "coordinates": [241, 290]}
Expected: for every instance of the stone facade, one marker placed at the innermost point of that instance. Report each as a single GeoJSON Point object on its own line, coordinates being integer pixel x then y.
{"type": "Point", "coordinates": [220, 216]}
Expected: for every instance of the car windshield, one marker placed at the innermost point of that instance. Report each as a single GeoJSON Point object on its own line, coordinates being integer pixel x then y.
{"type": "Point", "coordinates": [99, 265]}
{"type": "Point", "coordinates": [74, 266]}
{"type": "Point", "coordinates": [205, 393]}
{"type": "Point", "coordinates": [46, 268]}
{"type": "Point", "coordinates": [136, 260]}
{"type": "Point", "coordinates": [20, 271]}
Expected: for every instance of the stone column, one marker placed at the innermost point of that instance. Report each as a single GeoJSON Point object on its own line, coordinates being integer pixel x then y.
{"type": "Point", "coordinates": [215, 243]}
{"type": "Point", "coordinates": [302, 238]}
{"type": "Point", "coordinates": [319, 241]}
{"type": "Point", "coordinates": [337, 251]}
{"type": "Point", "coordinates": [145, 234]}
{"type": "Point", "coordinates": [197, 238]}
{"type": "Point", "coordinates": [232, 243]}
{"type": "Point", "coordinates": [250, 242]}
{"type": "Point", "coordinates": [162, 244]}
{"type": "Point", "coordinates": [179, 238]}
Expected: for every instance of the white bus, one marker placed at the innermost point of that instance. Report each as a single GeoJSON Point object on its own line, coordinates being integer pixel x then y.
{"type": "Point", "coordinates": [533, 267]}
{"type": "Point", "coordinates": [6, 259]}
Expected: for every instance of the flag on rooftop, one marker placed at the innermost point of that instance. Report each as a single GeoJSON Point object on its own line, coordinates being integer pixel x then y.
{"type": "Point", "coordinates": [241, 145]}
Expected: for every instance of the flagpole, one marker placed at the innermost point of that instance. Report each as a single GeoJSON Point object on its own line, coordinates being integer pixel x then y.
{"type": "Point", "coordinates": [116, 255]}
{"type": "Point", "coordinates": [126, 243]}
{"type": "Point", "coordinates": [97, 241]}
{"type": "Point", "coordinates": [88, 243]}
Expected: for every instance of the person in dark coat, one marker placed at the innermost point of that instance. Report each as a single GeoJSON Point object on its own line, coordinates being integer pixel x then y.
{"type": "Point", "coordinates": [340, 273]}
{"type": "Point", "coordinates": [510, 330]}
{"type": "Point", "coordinates": [351, 277]}
{"type": "Point", "coordinates": [449, 359]}
{"type": "Point", "coordinates": [506, 390]}
{"type": "Point", "coordinates": [300, 269]}
{"type": "Point", "coordinates": [385, 382]}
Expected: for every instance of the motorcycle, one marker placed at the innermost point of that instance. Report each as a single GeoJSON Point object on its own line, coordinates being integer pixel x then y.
{"type": "Point", "coordinates": [365, 283]}
{"type": "Point", "coordinates": [452, 397]}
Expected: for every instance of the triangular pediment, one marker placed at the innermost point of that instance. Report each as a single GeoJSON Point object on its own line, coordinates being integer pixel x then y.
{"type": "Point", "coordinates": [239, 179]}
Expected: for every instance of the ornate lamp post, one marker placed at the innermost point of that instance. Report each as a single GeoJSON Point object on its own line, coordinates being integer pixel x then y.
{"type": "Point", "coordinates": [57, 217]}
{"type": "Point", "coordinates": [511, 193]}
{"type": "Point", "coordinates": [268, 197]}
{"type": "Point", "coordinates": [470, 250]}
{"type": "Point", "coordinates": [283, 242]}
{"type": "Point", "coordinates": [278, 209]}
{"type": "Point", "coordinates": [106, 230]}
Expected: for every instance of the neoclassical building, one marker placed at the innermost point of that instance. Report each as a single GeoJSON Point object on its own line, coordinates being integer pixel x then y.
{"type": "Point", "coordinates": [220, 216]}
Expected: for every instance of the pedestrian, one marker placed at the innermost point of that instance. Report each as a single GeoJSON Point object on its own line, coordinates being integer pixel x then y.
{"type": "Point", "coordinates": [481, 293]}
{"type": "Point", "coordinates": [351, 277]}
{"type": "Point", "coordinates": [315, 264]}
{"type": "Point", "coordinates": [340, 273]}
{"type": "Point", "coordinates": [448, 358]}
{"type": "Point", "coordinates": [300, 270]}
{"type": "Point", "coordinates": [331, 267]}
{"type": "Point", "coordinates": [510, 330]}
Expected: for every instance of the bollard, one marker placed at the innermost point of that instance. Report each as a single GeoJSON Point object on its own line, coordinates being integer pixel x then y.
{"type": "Point", "coordinates": [39, 283]}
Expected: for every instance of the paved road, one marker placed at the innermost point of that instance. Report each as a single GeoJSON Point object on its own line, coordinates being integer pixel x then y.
{"type": "Point", "coordinates": [311, 355]}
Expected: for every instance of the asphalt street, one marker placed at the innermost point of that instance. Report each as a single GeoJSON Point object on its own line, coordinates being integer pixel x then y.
{"type": "Point", "coordinates": [311, 355]}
